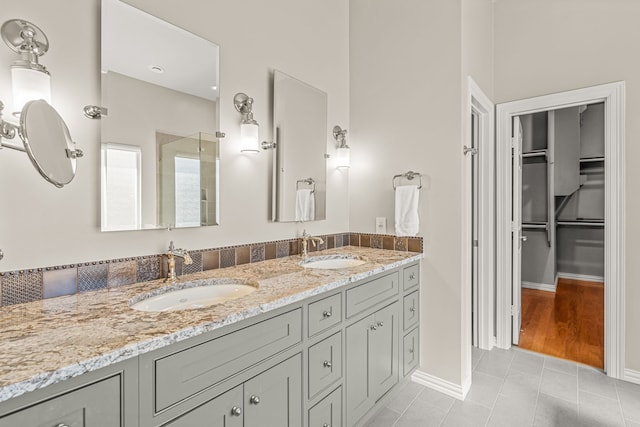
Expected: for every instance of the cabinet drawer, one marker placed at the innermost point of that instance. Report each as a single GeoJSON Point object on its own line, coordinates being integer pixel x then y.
{"type": "Point", "coordinates": [180, 375]}
{"type": "Point", "coordinates": [369, 294]}
{"type": "Point", "coordinates": [411, 311]}
{"type": "Point", "coordinates": [96, 405]}
{"type": "Point", "coordinates": [327, 412]}
{"type": "Point", "coordinates": [411, 276]}
{"type": "Point", "coordinates": [411, 352]}
{"type": "Point", "coordinates": [224, 410]}
{"type": "Point", "coordinates": [324, 314]}
{"type": "Point", "coordinates": [325, 363]}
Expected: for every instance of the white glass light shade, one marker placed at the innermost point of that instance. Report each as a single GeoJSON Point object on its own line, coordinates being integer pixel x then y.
{"type": "Point", "coordinates": [343, 157]}
{"type": "Point", "coordinates": [249, 141]}
{"type": "Point", "coordinates": [29, 85]}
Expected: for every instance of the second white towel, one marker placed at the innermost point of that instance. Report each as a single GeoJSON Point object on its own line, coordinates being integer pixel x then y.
{"type": "Point", "coordinates": [305, 205]}
{"type": "Point", "coordinates": [406, 220]}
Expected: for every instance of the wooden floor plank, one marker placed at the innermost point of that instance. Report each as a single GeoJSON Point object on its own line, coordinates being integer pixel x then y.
{"type": "Point", "coordinates": [568, 323]}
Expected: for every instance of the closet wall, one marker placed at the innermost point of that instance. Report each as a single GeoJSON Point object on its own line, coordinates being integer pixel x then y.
{"type": "Point", "coordinates": [563, 195]}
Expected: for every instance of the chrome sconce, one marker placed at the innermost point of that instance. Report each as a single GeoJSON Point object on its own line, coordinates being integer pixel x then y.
{"type": "Point", "coordinates": [343, 152]}
{"type": "Point", "coordinates": [30, 80]}
{"type": "Point", "coordinates": [250, 142]}
{"type": "Point", "coordinates": [45, 136]}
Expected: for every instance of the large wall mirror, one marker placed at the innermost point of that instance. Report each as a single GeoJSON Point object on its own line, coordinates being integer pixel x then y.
{"type": "Point", "coordinates": [160, 155]}
{"type": "Point", "coordinates": [300, 132]}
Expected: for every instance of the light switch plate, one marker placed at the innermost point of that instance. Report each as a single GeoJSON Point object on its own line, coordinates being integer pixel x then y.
{"type": "Point", "coordinates": [381, 225]}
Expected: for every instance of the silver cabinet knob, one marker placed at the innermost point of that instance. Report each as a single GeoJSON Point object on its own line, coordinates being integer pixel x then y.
{"type": "Point", "coordinates": [412, 276]}
{"type": "Point", "coordinates": [411, 351]}
{"type": "Point", "coordinates": [326, 314]}
{"type": "Point", "coordinates": [61, 425]}
{"type": "Point", "coordinates": [412, 309]}
{"type": "Point", "coordinates": [327, 364]}
{"type": "Point", "coordinates": [326, 425]}
{"type": "Point", "coordinates": [373, 327]}
{"type": "Point", "coordinates": [380, 324]}
{"type": "Point", "coordinates": [524, 238]}
{"type": "Point", "coordinates": [236, 411]}
{"type": "Point", "coordinates": [254, 399]}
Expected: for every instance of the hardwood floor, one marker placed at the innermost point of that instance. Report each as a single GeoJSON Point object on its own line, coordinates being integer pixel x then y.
{"type": "Point", "coordinates": [568, 323]}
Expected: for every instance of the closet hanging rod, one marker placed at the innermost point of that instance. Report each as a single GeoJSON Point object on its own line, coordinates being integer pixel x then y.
{"type": "Point", "coordinates": [534, 226]}
{"type": "Point", "coordinates": [592, 160]}
{"type": "Point", "coordinates": [535, 153]}
{"type": "Point", "coordinates": [410, 175]}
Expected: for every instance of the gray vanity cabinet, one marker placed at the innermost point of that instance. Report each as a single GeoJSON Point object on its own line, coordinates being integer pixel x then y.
{"type": "Point", "coordinates": [223, 411]}
{"type": "Point", "coordinates": [371, 360]}
{"type": "Point", "coordinates": [96, 405]}
{"type": "Point", "coordinates": [274, 398]}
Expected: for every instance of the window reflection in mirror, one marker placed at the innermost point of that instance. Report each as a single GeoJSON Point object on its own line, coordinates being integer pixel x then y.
{"type": "Point", "coordinates": [160, 87]}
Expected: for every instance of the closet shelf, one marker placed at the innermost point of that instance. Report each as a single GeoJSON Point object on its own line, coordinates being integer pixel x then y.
{"type": "Point", "coordinates": [582, 223]}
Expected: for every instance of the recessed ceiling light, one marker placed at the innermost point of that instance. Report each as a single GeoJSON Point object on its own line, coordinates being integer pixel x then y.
{"type": "Point", "coordinates": [156, 69]}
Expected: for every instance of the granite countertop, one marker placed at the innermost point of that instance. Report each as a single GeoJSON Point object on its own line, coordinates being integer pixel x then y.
{"type": "Point", "coordinates": [45, 342]}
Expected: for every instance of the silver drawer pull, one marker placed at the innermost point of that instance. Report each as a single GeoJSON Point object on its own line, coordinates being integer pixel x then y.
{"type": "Point", "coordinates": [411, 350]}
{"type": "Point", "coordinates": [412, 276]}
{"type": "Point", "coordinates": [412, 309]}
{"type": "Point", "coordinates": [254, 399]}
{"type": "Point", "coordinates": [326, 314]}
{"type": "Point", "coordinates": [61, 425]}
{"type": "Point", "coordinates": [326, 425]}
{"type": "Point", "coordinates": [327, 364]}
{"type": "Point", "coordinates": [236, 411]}
{"type": "Point", "coordinates": [380, 324]}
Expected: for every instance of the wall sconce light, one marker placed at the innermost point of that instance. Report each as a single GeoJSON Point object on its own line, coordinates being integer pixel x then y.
{"type": "Point", "coordinates": [343, 152]}
{"type": "Point", "coordinates": [30, 80]}
{"type": "Point", "coordinates": [248, 126]}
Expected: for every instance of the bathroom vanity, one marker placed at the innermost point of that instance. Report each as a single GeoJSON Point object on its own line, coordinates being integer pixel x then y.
{"type": "Point", "coordinates": [310, 347]}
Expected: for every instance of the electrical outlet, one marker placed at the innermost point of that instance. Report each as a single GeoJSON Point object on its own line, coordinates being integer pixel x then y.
{"type": "Point", "coordinates": [381, 225]}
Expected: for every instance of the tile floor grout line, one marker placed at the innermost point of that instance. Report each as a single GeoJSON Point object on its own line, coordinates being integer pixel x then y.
{"type": "Point", "coordinates": [408, 406]}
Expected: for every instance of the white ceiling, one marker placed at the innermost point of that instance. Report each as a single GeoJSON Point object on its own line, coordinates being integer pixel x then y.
{"type": "Point", "coordinates": [133, 41]}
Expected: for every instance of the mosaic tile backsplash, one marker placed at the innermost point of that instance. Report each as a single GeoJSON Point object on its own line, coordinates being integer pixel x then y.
{"type": "Point", "coordinates": [18, 287]}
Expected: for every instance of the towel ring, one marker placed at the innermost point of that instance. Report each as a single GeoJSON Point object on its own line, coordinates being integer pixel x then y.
{"type": "Point", "coordinates": [308, 181]}
{"type": "Point", "coordinates": [411, 175]}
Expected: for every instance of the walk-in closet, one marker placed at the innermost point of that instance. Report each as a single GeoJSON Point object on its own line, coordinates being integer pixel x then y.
{"type": "Point", "coordinates": [562, 258]}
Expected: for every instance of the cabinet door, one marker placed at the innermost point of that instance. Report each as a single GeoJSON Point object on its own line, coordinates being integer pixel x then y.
{"type": "Point", "coordinates": [96, 405]}
{"type": "Point", "coordinates": [358, 389]}
{"type": "Point", "coordinates": [223, 411]}
{"type": "Point", "coordinates": [274, 398]}
{"type": "Point", "coordinates": [383, 350]}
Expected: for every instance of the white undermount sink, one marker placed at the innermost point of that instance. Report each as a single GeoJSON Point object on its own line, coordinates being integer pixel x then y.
{"type": "Point", "coordinates": [332, 262]}
{"type": "Point", "coordinates": [192, 295]}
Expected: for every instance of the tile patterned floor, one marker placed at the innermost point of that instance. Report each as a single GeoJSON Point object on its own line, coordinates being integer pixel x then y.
{"type": "Point", "coordinates": [514, 388]}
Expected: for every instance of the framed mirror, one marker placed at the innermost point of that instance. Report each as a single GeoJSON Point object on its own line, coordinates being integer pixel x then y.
{"type": "Point", "coordinates": [160, 92]}
{"type": "Point", "coordinates": [300, 165]}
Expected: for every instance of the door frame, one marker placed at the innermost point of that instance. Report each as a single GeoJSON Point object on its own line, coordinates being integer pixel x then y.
{"type": "Point", "coordinates": [613, 95]}
{"type": "Point", "coordinates": [478, 102]}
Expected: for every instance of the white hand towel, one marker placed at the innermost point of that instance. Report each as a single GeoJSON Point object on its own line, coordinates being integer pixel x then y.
{"type": "Point", "coordinates": [407, 222]}
{"type": "Point", "coordinates": [305, 205]}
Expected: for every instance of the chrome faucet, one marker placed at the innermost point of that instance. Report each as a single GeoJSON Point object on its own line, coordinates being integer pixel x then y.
{"type": "Point", "coordinates": [171, 261]}
{"type": "Point", "coordinates": [305, 242]}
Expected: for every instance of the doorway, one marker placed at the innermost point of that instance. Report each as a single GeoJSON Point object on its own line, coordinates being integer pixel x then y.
{"type": "Point", "coordinates": [509, 230]}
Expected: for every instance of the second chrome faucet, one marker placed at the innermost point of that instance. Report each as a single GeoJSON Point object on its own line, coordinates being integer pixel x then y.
{"type": "Point", "coordinates": [305, 242]}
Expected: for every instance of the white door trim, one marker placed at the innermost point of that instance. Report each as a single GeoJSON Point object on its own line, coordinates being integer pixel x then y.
{"type": "Point", "coordinates": [613, 94]}
{"type": "Point", "coordinates": [477, 101]}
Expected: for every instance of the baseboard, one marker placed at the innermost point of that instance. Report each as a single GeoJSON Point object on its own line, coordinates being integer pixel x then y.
{"type": "Point", "coordinates": [584, 277]}
{"type": "Point", "coordinates": [632, 376]}
{"type": "Point", "coordinates": [539, 286]}
{"type": "Point", "coordinates": [443, 386]}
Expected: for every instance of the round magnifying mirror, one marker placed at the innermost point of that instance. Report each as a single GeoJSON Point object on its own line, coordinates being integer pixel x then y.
{"type": "Point", "coordinates": [48, 143]}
